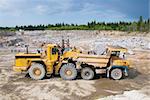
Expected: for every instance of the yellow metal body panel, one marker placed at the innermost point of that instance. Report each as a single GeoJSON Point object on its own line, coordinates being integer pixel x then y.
{"type": "Point", "coordinates": [23, 61]}
{"type": "Point", "coordinates": [49, 66]}
{"type": "Point", "coordinates": [121, 62]}
{"type": "Point", "coordinates": [116, 48]}
{"type": "Point", "coordinates": [70, 54]}
{"type": "Point", "coordinates": [50, 56]}
{"type": "Point", "coordinates": [93, 56]}
{"type": "Point", "coordinates": [57, 67]}
{"type": "Point", "coordinates": [30, 54]}
{"type": "Point", "coordinates": [93, 60]}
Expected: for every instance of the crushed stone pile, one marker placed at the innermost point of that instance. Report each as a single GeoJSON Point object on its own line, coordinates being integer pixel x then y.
{"type": "Point", "coordinates": [142, 94]}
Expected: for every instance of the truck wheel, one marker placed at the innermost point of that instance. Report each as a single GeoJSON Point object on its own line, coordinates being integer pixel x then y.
{"type": "Point", "coordinates": [68, 71]}
{"type": "Point", "coordinates": [37, 71]}
{"type": "Point", "coordinates": [116, 74]}
{"type": "Point", "coordinates": [87, 73]}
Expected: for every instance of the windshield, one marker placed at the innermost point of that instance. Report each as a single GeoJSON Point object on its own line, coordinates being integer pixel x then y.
{"type": "Point", "coordinates": [119, 54]}
{"type": "Point", "coordinates": [115, 53]}
{"type": "Point", "coordinates": [54, 50]}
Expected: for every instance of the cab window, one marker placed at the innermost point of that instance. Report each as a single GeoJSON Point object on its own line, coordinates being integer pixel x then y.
{"type": "Point", "coordinates": [115, 53]}
{"type": "Point", "coordinates": [54, 50]}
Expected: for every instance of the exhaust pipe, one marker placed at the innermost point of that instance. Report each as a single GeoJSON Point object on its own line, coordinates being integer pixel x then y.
{"type": "Point", "coordinates": [27, 48]}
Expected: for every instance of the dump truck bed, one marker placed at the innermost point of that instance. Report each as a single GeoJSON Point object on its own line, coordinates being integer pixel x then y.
{"type": "Point", "coordinates": [95, 60]}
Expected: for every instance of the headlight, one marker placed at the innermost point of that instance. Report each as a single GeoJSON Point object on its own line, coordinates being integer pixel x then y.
{"type": "Point", "coordinates": [125, 63]}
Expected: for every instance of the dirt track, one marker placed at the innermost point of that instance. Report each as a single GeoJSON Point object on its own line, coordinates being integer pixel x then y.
{"type": "Point", "coordinates": [15, 86]}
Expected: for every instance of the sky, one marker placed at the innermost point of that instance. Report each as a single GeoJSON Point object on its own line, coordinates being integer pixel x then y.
{"type": "Point", "coordinates": [33, 12]}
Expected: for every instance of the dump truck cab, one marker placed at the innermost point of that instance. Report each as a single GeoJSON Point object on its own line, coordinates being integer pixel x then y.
{"type": "Point", "coordinates": [115, 50]}
{"type": "Point", "coordinates": [118, 62]}
{"type": "Point", "coordinates": [118, 55]}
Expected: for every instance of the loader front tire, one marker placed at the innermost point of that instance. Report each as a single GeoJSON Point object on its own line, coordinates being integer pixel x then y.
{"type": "Point", "coordinates": [68, 71]}
{"type": "Point", "coordinates": [37, 71]}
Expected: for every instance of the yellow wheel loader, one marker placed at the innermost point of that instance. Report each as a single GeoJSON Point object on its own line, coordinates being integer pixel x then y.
{"type": "Point", "coordinates": [71, 62]}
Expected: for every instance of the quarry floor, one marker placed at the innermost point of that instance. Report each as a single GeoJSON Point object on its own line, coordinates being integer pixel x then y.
{"type": "Point", "coordinates": [17, 86]}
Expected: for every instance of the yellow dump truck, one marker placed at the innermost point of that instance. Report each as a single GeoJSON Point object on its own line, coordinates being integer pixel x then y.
{"type": "Point", "coordinates": [72, 62]}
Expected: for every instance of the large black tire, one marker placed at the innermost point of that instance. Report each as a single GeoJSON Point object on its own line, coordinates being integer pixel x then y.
{"type": "Point", "coordinates": [37, 71]}
{"type": "Point", "coordinates": [68, 71]}
{"type": "Point", "coordinates": [87, 73]}
{"type": "Point", "coordinates": [116, 74]}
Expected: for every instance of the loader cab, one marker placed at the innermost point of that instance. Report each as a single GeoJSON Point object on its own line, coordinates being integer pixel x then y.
{"type": "Point", "coordinates": [52, 52]}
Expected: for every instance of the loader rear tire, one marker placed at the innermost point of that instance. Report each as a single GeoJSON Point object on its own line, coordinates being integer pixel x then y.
{"type": "Point", "coordinates": [68, 71]}
{"type": "Point", "coordinates": [87, 73]}
{"type": "Point", "coordinates": [37, 71]}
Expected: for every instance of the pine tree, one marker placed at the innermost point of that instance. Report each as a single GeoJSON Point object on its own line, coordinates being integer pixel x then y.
{"type": "Point", "coordinates": [139, 25]}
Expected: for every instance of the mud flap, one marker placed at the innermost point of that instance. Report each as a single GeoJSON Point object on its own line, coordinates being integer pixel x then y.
{"type": "Point", "coordinates": [126, 71]}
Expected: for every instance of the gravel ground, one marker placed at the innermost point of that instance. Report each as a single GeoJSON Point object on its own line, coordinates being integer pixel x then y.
{"type": "Point", "coordinates": [15, 86]}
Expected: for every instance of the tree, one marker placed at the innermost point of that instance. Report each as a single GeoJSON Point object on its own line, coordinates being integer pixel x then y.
{"type": "Point", "coordinates": [139, 25]}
